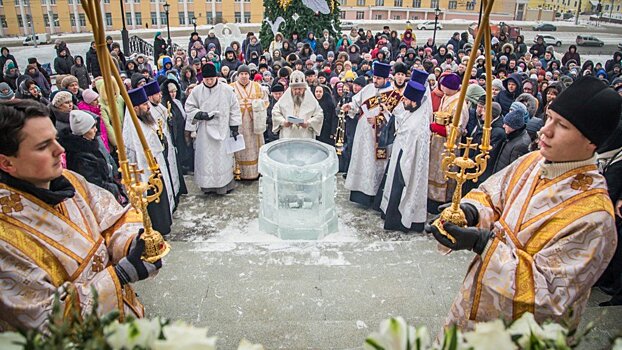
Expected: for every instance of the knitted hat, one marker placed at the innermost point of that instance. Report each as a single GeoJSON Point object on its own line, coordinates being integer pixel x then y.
{"type": "Point", "coordinates": [89, 95]}
{"type": "Point", "coordinates": [278, 88]}
{"type": "Point", "coordinates": [451, 81]}
{"type": "Point", "coordinates": [257, 77]}
{"type": "Point", "coordinates": [474, 92]}
{"type": "Point", "coordinates": [80, 122]}
{"type": "Point", "coordinates": [514, 119]}
{"type": "Point", "coordinates": [244, 69]}
{"type": "Point", "coordinates": [208, 71]}
{"type": "Point", "coordinates": [432, 77]}
{"type": "Point", "coordinates": [591, 106]}
{"type": "Point", "coordinates": [360, 81]}
{"type": "Point", "coordinates": [138, 96]}
{"type": "Point", "coordinates": [152, 88]}
{"type": "Point", "coordinates": [534, 125]}
{"type": "Point", "coordinates": [297, 79]}
{"type": "Point", "coordinates": [419, 76]}
{"type": "Point", "coordinates": [381, 69]}
{"type": "Point", "coordinates": [68, 80]}
{"type": "Point", "coordinates": [136, 79]}
{"type": "Point", "coordinates": [309, 72]}
{"type": "Point", "coordinates": [414, 92]}
{"type": "Point", "coordinates": [61, 97]}
{"type": "Point", "coordinates": [496, 109]}
{"type": "Point", "coordinates": [517, 106]}
{"type": "Point", "coordinates": [498, 84]}
{"type": "Point", "coordinates": [349, 76]}
{"type": "Point", "coordinates": [8, 95]}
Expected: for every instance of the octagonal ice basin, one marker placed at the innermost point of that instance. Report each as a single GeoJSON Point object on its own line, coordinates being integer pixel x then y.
{"type": "Point", "coordinates": [297, 189]}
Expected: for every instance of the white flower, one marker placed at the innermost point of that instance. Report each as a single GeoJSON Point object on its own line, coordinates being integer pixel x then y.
{"type": "Point", "coordinates": [246, 345]}
{"type": "Point", "coordinates": [554, 331]}
{"type": "Point", "coordinates": [140, 332]}
{"type": "Point", "coordinates": [617, 345]}
{"type": "Point", "coordinates": [180, 335]}
{"type": "Point", "coordinates": [423, 336]}
{"type": "Point", "coordinates": [490, 336]}
{"type": "Point", "coordinates": [10, 341]}
{"type": "Point", "coordinates": [395, 334]}
{"type": "Point", "coordinates": [525, 326]}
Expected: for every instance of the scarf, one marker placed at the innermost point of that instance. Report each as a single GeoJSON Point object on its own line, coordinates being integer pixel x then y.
{"type": "Point", "coordinates": [60, 188]}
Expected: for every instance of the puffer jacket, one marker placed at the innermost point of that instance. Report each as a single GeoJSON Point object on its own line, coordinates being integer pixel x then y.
{"type": "Point", "coordinates": [516, 145]}
{"type": "Point", "coordinates": [505, 98]}
{"type": "Point", "coordinates": [80, 72]}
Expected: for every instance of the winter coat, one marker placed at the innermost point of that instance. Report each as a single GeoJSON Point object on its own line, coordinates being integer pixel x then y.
{"type": "Point", "coordinates": [4, 59]}
{"type": "Point", "coordinates": [61, 118]}
{"type": "Point", "coordinates": [11, 79]}
{"type": "Point", "coordinates": [538, 50]}
{"type": "Point", "coordinates": [62, 65]}
{"type": "Point", "coordinates": [80, 72]}
{"type": "Point", "coordinates": [520, 48]}
{"type": "Point", "coordinates": [184, 82]}
{"type": "Point", "coordinates": [505, 98]}
{"type": "Point", "coordinates": [85, 157]}
{"type": "Point", "coordinates": [43, 84]}
{"type": "Point", "coordinates": [159, 47]}
{"type": "Point", "coordinates": [329, 126]}
{"type": "Point", "coordinates": [571, 56]}
{"type": "Point", "coordinates": [92, 63]}
{"type": "Point", "coordinates": [517, 144]}
{"type": "Point", "coordinates": [106, 112]}
{"type": "Point", "coordinates": [233, 64]}
{"type": "Point", "coordinates": [96, 110]}
{"type": "Point", "coordinates": [253, 48]}
{"type": "Point", "coordinates": [213, 40]}
{"type": "Point", "coordinates": [617, 58]}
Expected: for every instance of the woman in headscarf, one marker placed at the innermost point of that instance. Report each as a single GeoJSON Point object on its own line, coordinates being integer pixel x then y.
{"type": "Point", "coordinates": [329, 126]}
{"type": "Point", "coordinates": [171, 91]}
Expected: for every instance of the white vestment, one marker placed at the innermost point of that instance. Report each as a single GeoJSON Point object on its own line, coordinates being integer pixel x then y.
{"type": "Point", "coordinates": [213, 167]}
{"type": "Point", "coordinates": [135, 153]}
{"type": "Point", "coordinates": [160, 112]}
{"type": "Point", "coordinates": [365, 172]}
{"type": "Point", "coordinates": [309, 110]}
{"type": "Point", "coordinates": [413, 140]}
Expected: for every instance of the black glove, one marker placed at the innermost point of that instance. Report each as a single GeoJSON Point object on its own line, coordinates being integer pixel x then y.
{"type": "Point", "coordinates": [204, 116]}
{"type": "Point", "coordinates": [470, 212]}
{"type": "Point", "coordinates": [132, 268]}
{"type": "Point", "coordinates": [469, 238]}
{"type": "Point", "coordinates": [234, 132]}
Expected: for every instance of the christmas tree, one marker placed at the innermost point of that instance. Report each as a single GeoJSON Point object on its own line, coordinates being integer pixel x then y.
{"type": "Point", "coordinates": [301, 16]}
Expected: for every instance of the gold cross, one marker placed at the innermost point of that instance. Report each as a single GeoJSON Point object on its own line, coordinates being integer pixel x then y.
{"type": "Point", "coordinates": [98, 263]}
{"type": "Point", "coordinates": [582, 182]}
{"type": "Point", "coordinates": [11, 203]}
{"type": "Point", "coordinates": [467, 146]}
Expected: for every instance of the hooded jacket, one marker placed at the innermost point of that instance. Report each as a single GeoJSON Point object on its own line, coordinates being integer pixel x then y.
{"type": "Point", "coordinates": [62, 65]}
{"type": "Point", "coordinates": [557, 85]}
{"type": "Point", "coordinates": [505, 98]}
{"type": "Point", "coordinates": [79, 71]}
{"type": "Point", "coordinates": [92, 63]}
{"type": "Point", "coordinates": [43, 84]}
{"type": "Point", "coordinates": [159, 47]}
{"type": "Point", "coordinates": [4, 59]}
{"type": "Point", "coordinates": [571, 55]}
{"type": "Point", "coordinates": [212, 39]}
{"type": "Point", "coordinates": [232, 63]}
{"type": "Point", "coordinates": [617, 58]}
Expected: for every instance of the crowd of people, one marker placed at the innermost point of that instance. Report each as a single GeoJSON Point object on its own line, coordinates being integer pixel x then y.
{"type": "Point", "coordinates": [385, 100]}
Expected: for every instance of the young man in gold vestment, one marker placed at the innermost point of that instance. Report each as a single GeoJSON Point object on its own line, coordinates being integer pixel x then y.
{"type": "Point", "coordinates": [59, 234]}
{"type": "Point", "coordinates": [542, 228]}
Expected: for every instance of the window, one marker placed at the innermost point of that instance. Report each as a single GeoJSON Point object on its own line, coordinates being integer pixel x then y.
{"type": "Point", "coordinates": [209, 17]}
{"type": "Point", "coordinates": [397, 17]}
{"type": "Point", "coordinates": [379, 2]}
{"type": "Point", "coordinates": [139, 18]}
{"type": "Point", "coordinates": [108, 19]}
{"type": "Point", "coordinates": [398, 3]}
{"type": "Point", "coordinates": [1, 3]}
{"type": "Point", "coordinates": [416, 3]}
{"type": "Point", "coordinates": [342, 14]}
{"type": "Point", "coordinates": [360, 15]}
{"type": "Point", "coordinates": [470, 5]}
{"type": "Point", "coordinates": [154, 18]}
{"type": "Point", "coordinates": [433, 4]}
{"type": "Point", "coordinates": [82, 19]}
{"type": "Point", "coordinates": [247, 17]}
{"type": "Point", "coordinates": [377, 17]}
{"type": "Point", "coordinates": [360, 2]}
{"type": "Point", "coordinates": [453, 4]}
{"type": "Point", "coordinates": [163, 17]}
{"type": "Point", "coordinates": [128, 18]}
{"type": "Point", "coordinates": [105, 1]}
{"type": "Point", "coordinates": [182, 18]}
{"type": "Point", "coordinates": [237, 17]}
{"type": "Point", "coordinates": [190, 15]}
{"type": "Point", "coordinates": [3, 20]}
{"type": "Point", "coordinates": [20, 22]}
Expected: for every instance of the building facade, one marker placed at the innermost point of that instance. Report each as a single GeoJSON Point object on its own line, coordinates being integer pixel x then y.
{"type": "Point", "coordinates": [607, 7]}
{"type": "Point", "coordinates": [67, 16]}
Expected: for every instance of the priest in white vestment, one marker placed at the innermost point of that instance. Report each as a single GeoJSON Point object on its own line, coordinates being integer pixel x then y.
{"type": "Point", "coordinates": [297, 101]}
{"type": "Point", "coordinates": [214, 114]}
{"type": "Point", "coordinates": [404, 198]}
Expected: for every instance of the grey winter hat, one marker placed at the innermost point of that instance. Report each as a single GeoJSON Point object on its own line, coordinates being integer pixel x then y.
{"type": "Point", "coordinates": [243, 69]}
{"type": "Point", "coordinates": [80, 122]}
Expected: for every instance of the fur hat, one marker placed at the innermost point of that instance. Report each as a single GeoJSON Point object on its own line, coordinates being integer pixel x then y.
{"type": "Point", "coordinates": [68, 80]}
{"type": "Point", "coordinates": [80, 122]}
{"type": "Point", "coordinates": [62, 97]}
{"type": "Point", "coordinates": [297, 79]}
{"type": "Point", "coordinates": [591, 106]}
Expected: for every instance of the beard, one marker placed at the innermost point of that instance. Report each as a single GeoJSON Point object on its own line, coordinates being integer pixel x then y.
{"type": "Point", "coordinates": [297, 100]}
{"type": "Point", "coordinates": [145, 117]}
{"type": "Point", "coordinates": [400, 85]}
{"type": "Point", "coordinates": [411, 108]}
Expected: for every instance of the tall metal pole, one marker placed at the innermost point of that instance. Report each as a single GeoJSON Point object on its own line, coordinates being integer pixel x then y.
{"type": "Point", "coordinates": [576, 21]}
{"type": "Point", "coordinates": [168, 33]}
{"type": "Point", "coordinates": [125, 37]}
{"type": "Point", "coordinates": [436, 11]}
{"type": "Point", "coordinates": [479, 19]}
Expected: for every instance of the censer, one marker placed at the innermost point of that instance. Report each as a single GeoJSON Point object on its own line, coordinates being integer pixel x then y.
{"type": "Point", "coordinates": [340, 132]}
{"type": "Point", "coordinates": [140, 193]}
{"type": "Point", "coordinates": [461, 168]}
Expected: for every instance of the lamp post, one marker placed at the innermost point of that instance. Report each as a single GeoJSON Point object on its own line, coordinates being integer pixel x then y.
{"type": "Point", "coordinates": [194, 23]}
{"type": "Point", "coordinates": [168, 29]}
{"type": "Point", "coordinates": [125, 38]}
{"type": "Point", "coordinates": [437, 12]}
